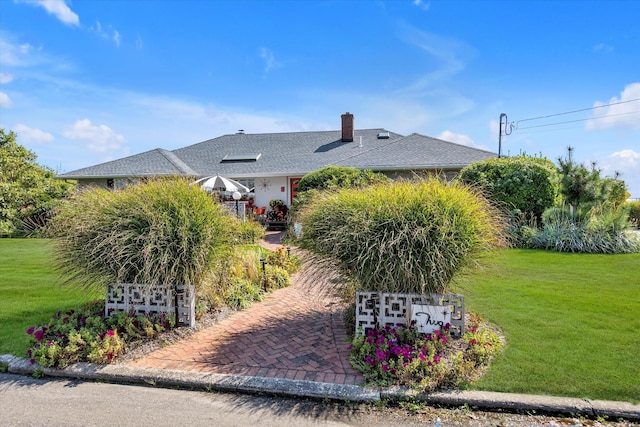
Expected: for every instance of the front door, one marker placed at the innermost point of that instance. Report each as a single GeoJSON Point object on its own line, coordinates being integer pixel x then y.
{"type": "Point", "coordinates": [293, 185]}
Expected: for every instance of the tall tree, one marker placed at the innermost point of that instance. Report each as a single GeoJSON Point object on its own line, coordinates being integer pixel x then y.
{"type": "Point", "coordinates": [27, 189]}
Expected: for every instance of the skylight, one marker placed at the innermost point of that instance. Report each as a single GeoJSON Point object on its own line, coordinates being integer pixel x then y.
{"type": "Point", "coordinates": [384, 135]}
{"type": "Point", "coordinates": [229, 158]}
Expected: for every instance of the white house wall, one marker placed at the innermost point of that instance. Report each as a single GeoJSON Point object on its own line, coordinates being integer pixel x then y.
{"type": "Point", "coordinates": [267, 189]}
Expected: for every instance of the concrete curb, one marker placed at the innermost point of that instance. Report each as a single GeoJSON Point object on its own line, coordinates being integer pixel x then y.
{"type": "Point", "coordinates": [309, 389]}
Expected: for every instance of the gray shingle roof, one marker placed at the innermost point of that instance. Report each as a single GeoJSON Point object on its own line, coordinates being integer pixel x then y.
{"type": "Point", "coordinates": [415, 152]}
{"type": "Point", "coordinates": [292, 153]}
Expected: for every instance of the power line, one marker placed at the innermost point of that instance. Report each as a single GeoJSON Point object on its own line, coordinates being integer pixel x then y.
{"type": "Point", "coordinates": [578, 120]}
{"type": "Point", "coordinates": [578, 111]}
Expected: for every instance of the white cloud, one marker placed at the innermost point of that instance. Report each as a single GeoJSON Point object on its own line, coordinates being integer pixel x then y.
{"type": "Point", "coordinates": [603, 47]}
{"type": "Point", "coordinates": [451, 57]}
{"type": "Point", "coordinates": [5, 101]}
{"type": "Point", "coordinates": [422, 4]}
{"type": "Point", "coordinates": [13, 54]}
{"type": "Point", "coordinates": [139, 42]}
{"type": "Point", "coordinates": [625, 114]}
{"type": "Point", "coordinates": [32, 135]}
{"type": "Point", "coordinates": [5, 78]}
{"type": "Point", "coordinates": [116, 37]}
{"type": "Point", "coordinates": [269, 58]}
{"type": "Point", "coordinates": [59, 9]}
{"type": "Point", "coordinates": [461, 139]}
{"type": "Point", "coordinates": [108, 33]}
{"type": "Point", "coordinates": [99, 138]}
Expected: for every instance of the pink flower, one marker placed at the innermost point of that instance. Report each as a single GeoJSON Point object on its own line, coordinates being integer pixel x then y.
{"type": "Point", "coordinates": [110, 333]}
{"type": "Point", "coordinates": [474, 341]}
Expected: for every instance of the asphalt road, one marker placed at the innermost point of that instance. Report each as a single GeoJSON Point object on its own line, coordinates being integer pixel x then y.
{"type": "Point", "coordinates": [25, 401]}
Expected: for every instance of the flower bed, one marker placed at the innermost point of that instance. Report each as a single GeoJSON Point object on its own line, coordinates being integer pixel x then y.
{"type": "Point", "coordinates": [400, 355]}
{"type": "Point", "coordinates": [86, 335]}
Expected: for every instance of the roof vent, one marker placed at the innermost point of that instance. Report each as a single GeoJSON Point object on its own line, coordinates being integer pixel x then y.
{"type": "Point", "coordinates": [384, 135]}
{"type": "Point", "coordinates": [240, 132]}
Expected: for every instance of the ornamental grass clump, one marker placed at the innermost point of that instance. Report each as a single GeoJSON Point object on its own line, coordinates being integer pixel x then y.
{"type": "Point", "coordinates": [159, 232]}
{"type": "Point", "coordinates": [403, 236]}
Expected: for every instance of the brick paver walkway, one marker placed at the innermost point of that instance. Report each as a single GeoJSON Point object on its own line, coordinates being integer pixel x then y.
{"type": "Point", "coordinates": [295, 333]}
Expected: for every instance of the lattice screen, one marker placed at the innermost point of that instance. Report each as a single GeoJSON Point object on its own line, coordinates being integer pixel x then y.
{"type": "Point", "coordinates": [141, 299]}
{"type": "Point", "coordinates": [373, 308]}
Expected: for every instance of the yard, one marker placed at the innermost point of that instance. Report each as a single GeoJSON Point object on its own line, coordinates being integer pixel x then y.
{"type": "Point", "coordinates": [570, 320]}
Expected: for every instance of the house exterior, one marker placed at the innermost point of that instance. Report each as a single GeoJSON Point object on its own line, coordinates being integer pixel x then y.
{"type": "Point", "coordinates": [273, 163]}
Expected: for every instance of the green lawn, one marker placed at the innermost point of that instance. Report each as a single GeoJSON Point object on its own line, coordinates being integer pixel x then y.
{"type": "Point", "coordinates": [29, 291]}
{"type": "Point", "coordinates": [572, 323]}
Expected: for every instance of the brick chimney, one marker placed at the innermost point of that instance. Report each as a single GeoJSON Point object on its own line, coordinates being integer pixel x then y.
{"type": "Point", "coordinates": [347, 127]}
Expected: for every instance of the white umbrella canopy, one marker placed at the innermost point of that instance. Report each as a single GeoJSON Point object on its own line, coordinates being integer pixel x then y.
{"type": "Point", "coordinates": [220, 183]}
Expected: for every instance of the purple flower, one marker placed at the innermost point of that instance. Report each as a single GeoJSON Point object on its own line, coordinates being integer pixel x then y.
{"type": "Point", "coordinates": [39, 334]}
{"type": "Point", "coordinates": [30, 330]}
{"type": "Point", "coordinates": [385, 368]}
{"type": "Point", "coordinates": [380, 354]}
{"type": "Point", "coordinates": [444, 339]}
{"type": "Point", "coordinates": [32, 361]}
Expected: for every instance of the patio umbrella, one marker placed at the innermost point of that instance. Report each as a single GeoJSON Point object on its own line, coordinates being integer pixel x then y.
{"type": "Point", "coordinates": [221, 183]}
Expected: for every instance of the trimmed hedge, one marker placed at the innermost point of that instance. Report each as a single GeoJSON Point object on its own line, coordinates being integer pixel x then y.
{"type": "Point", "coordinates": [338, 176]}
{"type": "Point", "coordinates": [528, 184]}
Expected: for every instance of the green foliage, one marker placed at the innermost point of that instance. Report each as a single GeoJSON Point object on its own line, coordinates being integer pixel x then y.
{"type": "Point", "coordinates": [242, 293]}
{"type": "Point", "coordinates": [634, 213]}
{"type": "Point", "coordinates": [160, 232]}
{"type": "Point", "coordinates": [401, 355]}
{"type": "Point", "coordinates": [276, 202]}
{"type": "Point", "coordinates": [239, 279]}
{"type": "Point", "coordinates": [28, 192]}
{"type": "Point", "coordinates": [332, 177]}
{"type": "Point", "coordinates": [527, 184]}
{"type": "Point", "coordinates": [250, 232]}
{"type": "Point", "coordinates": [277, 277]}
{"type": "Point", "coordinates": [401, 236]}
{"type": "Point", "coordinates": [86, 335]}
{"type": "Point", "coordinates": [602, 229]}
{"type": "Point", "coordinates": [584, 188]}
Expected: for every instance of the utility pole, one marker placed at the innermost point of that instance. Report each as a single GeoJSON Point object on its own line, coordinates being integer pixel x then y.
{"type": "Point", "coordinates": [503, 125]}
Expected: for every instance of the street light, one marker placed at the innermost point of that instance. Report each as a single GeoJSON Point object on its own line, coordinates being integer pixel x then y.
{"type": "Point", "coordinates": [236, 196]}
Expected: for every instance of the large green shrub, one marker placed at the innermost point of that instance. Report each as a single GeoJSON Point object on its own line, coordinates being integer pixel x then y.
{"type": "Point", "coordinates": [28, 191]}
{"type": "Point", "coordinates": [159, 232]}
{"type": "Point", "coordinates": [402, 236]}
{"type": "Point", "coordinates": [527, 184]}
{"type": "Point", "coordinates": [338, 176]}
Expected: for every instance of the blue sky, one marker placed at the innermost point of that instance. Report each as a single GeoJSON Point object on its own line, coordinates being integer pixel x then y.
{"type": "Point", "coordinates": [83, 82]}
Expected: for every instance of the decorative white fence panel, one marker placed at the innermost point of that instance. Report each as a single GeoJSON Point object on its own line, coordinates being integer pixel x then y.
{"type": "Point", "coordinates": [141, 299]}
{"type": "Point", "coordinates": [381, 309]}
